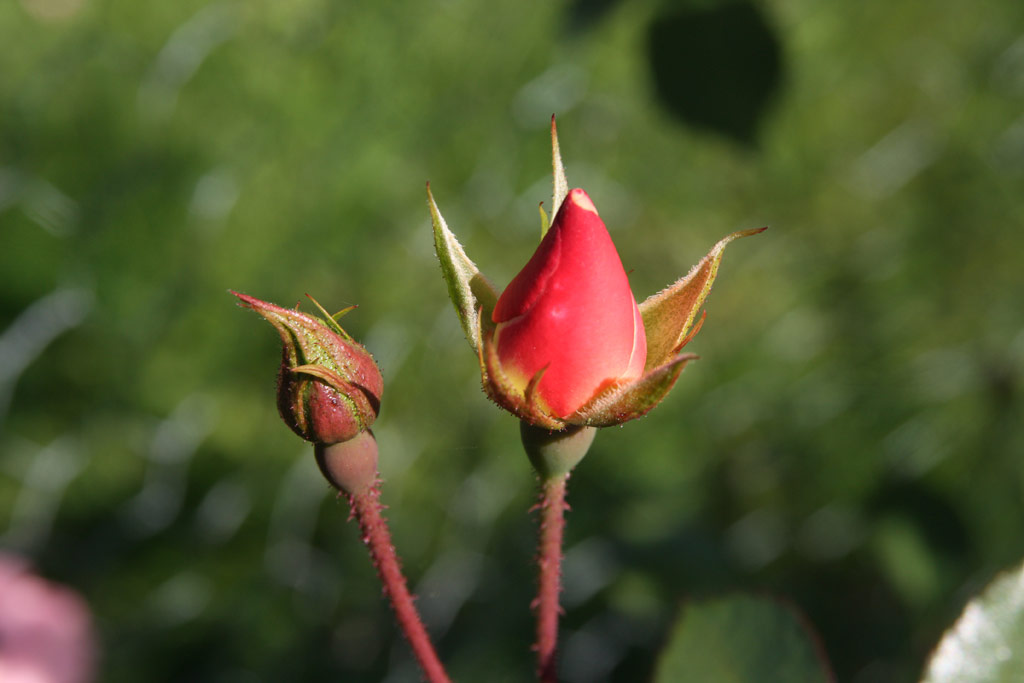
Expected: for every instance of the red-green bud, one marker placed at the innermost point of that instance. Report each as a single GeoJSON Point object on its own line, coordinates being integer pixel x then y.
{"type": "Point", "coordinates": [566, 343]}
{"type": "Point", "coordinates": [329, 386]}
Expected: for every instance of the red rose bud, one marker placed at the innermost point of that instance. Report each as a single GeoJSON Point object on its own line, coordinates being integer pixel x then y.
{"type": "Point", "coordinates": [570, 314]}
{"type": "Point", "coordinates": [329, 386]}
{"type": "Point", "coordinates": [566, 344]}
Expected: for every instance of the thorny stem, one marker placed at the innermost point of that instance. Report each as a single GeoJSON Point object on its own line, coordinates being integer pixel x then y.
{"type": "Point", "coordinates": [367, 510]}
{"type": "Point", "coordinates": [549, 562]}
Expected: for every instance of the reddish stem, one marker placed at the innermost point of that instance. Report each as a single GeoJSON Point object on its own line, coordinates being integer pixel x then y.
{"type": "Point", "coordinates": [367, 509]}
{"type": "Point", "coordinates": [549, 562]}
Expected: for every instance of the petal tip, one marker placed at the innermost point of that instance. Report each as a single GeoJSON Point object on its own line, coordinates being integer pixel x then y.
{"type": "Point", "coordinates": [582, 200]}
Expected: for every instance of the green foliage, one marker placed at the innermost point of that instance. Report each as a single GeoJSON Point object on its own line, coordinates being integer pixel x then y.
{"type": "Point", "coordinates": [850, 438]}
{"type": "Point", "coordinates": [740, 640]}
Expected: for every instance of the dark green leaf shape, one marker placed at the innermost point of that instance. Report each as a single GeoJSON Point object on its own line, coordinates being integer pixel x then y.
{"type": "Point", "coordinates": [986, 644]}
{"type": "Point", "coordinates": [741, 639]}
{"type": "Point", "coordinates": [717, 67]}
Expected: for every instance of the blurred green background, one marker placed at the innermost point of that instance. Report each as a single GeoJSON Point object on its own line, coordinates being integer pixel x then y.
{"type": "Point", "coordinates": [852, 438]}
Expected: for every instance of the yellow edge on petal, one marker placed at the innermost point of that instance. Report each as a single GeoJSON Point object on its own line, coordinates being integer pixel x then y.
{"type": "Point", "coordinates": [523, 403]}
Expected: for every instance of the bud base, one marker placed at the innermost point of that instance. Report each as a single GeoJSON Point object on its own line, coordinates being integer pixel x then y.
{"type": "Point", "coordinates": [349, 466]}
{"type": "Point", "coordinates": [554, 453]}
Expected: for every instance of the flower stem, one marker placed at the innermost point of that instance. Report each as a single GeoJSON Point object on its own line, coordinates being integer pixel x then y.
{"type": "Point", "coordinates": [366, 508]}
{"type": "Point", "coordinates": [549, 561]}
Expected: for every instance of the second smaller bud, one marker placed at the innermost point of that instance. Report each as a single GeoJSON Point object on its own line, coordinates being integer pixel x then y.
{"type": "Point", "coordinates": [329, 387]}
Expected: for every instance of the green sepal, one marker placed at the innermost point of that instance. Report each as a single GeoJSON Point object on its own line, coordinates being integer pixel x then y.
{"type": "Point", "coordinates": [545, 222]}
{"type": "Point", "coordinates": [560, 186]}
{"type": "Point", "coordinates": [332, 320]}
{"type": "Point", "coordinates": [669, 314]}
{"type": "Point", "coordinates": [620, 403]}
{"type": "Point", "coordinates": [471, 293]}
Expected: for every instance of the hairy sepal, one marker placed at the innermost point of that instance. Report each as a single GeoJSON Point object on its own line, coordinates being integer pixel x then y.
{"type": "Point", "coordinates": [669, 314]}
{"type": "Point", "coordinates": [623, 402]}
{"type": "Point", "coordinates": [471, 293]}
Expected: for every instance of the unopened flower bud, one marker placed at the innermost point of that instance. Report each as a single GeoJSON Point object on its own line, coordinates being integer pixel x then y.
{"type": "Point", "coordinates": [566, 345]}
{"type": "Point", "coordinates": [329, 386]}
{"type": "Point", "coordinates": [571, 314]}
